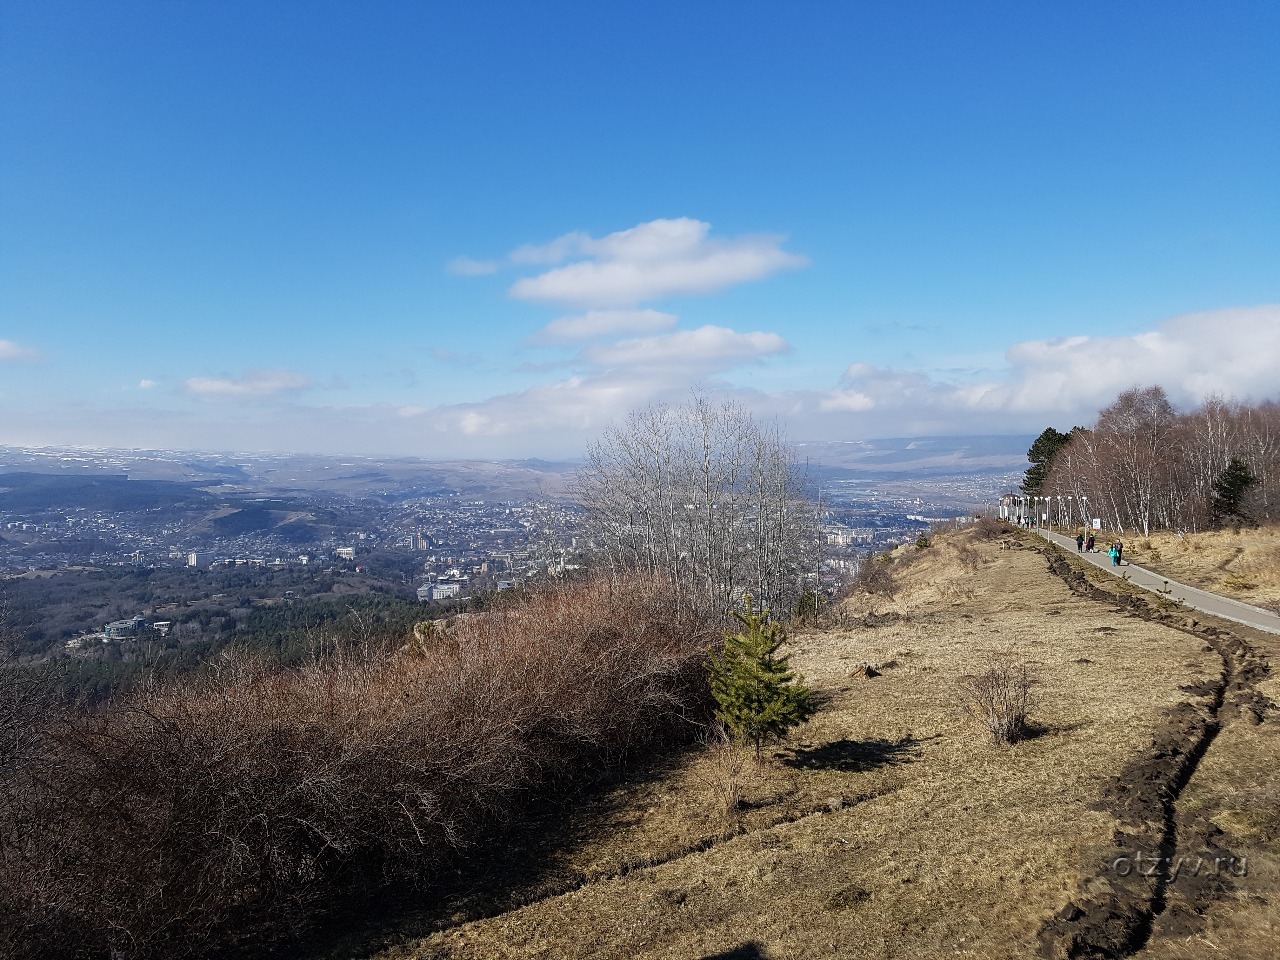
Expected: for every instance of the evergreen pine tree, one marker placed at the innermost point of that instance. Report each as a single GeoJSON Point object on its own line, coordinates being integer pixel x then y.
{"type": "Point", "coordinates": [757, 695]}
{"type": "Point", "coordinates": [1041, 456]}
{"type": "Point", "coordinates": [1231, 486]}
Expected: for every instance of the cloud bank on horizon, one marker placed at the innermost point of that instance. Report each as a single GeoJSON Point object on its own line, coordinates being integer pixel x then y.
{"type": "Point", "coordinates": [1230, 352]}
{"type": "Point", "coordinates": [1233, 352]}
{"type": "Point", "coordinates": [620, 353]}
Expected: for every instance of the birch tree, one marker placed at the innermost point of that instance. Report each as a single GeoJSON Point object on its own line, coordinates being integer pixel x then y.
{"type": "Point", "coordinates": [705, 496]}
{"type": "Point", "coordinates": [1143, 466]}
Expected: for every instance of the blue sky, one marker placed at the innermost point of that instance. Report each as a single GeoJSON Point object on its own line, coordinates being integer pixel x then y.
{"type": "Point", "coordinates": [490, 229]}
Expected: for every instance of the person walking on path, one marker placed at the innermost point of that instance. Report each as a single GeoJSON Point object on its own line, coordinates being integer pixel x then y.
{"type": "Point", "coordinates": [1088, 544]}
{"type": "Point", "coordinates": [1115, 556]}
{"type": "Point", "coordinates": [1119, 553]}
{"type": "Point", "coordinates": [1079, 542]}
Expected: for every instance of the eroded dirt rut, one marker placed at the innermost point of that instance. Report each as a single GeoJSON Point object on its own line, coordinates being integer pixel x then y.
{"type": "Point", "coordinates": [1131, 896]}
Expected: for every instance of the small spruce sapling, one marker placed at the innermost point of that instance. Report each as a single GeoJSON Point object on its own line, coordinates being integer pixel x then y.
{"type": "Point", "coordinates": [809, 607]}
{"type": "Point", "coordinates": [757, 695]}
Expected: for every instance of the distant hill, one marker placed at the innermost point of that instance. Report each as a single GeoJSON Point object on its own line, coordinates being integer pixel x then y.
{"type": "Point", "coordinates": [233, 474]}
{"type": "Point", "coordinates": [916, 455]}
{"type": "Point", "coordinates": [25, 492]}
{"type": "Point", "coordinates": [164, 475]}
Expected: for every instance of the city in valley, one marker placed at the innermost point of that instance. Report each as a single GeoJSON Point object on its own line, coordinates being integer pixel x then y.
{"type": "Point", "coordinates": [122, 556]}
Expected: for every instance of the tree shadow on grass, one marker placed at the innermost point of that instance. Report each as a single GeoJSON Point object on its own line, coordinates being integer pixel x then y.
{"type": "Point", "coordinates": [748, 951]}
{"type": "Point", "coordinates": [856, 756]}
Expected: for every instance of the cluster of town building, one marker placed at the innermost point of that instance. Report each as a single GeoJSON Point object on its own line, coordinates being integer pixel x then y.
{"type": "Point", "coordinates": [444, 547]}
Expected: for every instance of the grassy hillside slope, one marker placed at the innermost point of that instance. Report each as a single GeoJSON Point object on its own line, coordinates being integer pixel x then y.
{"type": "Point", "coordinates": [889, 826]}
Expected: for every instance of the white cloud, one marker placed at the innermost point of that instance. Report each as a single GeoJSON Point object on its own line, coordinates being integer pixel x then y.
{"type": "Point", "coordinates": [11, 352]}
{"type": "Point", "coordinates": [557, 251]}
{"type": "Point", "coordinates": [661, 258]}
{"type": "Point", "coordinates": [1057, 382]}
{"type": "Point", "coordinates": [604, 323]}
{"type": "Point", "coordinates": [705, 349]}
{"type": "Point", "coordinates": [555, 419]}
{"type": "Point", "coordinates": [145, 384]}
{"type": "Point", "coordinates": [654, 241]}
{"type": "Point", "coordinates": [1233, 352]}
{"type": "Point", "coordinates": [255, 384]}
{"type": "Point", "coordinates": [559, 418]}
{"type": "Point", "coordinates": [466, 267]}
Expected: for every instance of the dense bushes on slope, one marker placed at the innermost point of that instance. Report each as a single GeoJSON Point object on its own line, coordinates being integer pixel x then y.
{"type": "Point", "coordinates": [185, 818]}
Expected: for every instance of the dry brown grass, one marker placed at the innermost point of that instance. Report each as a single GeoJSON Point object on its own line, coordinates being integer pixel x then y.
{"type": "Point", "coordinates": [887, 826]}
{"type": "Point", "coordinates": [1232, 807]}
{"type": "Point", "coordinates": [727, 771]}
{"type": "Point", "coordinates": [233, 809]}
{"type": "Point", "coordinates": [1236, 790]}
{"type": "Point", "coordinates": [1243, 563]}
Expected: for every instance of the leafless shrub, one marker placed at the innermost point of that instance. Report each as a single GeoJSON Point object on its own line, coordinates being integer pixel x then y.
{"type": "Point", "coordinates": [1000, 697]}
{"type": "Point", "coordinates": [26, 698]}
{"type": "Point", "coordinates": [728, 766]}
{"type": "Point", "coordinates": [706, 496]}
{"type": "Point", "coordinates": [988, 528]}
{"type": "Point", "coordinates": [874, 577]}
{"type": "Point", "coordinates": [968, 557]}
{"type": "Point", "coordinates": [197, 818]}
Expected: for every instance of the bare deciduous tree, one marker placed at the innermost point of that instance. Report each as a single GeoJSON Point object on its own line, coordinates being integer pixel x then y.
{"type": "Point", "coordinates": [706, 497]}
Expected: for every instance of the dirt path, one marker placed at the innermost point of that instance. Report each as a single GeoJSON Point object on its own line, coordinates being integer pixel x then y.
{"type": "Point", "coordinates": [890, 828]}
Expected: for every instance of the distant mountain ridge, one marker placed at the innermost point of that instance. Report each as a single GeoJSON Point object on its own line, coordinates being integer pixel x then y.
{"type": "Point", "coordinates": [950, 455]}
{"type": "Point", "coordinates": [403, 477]}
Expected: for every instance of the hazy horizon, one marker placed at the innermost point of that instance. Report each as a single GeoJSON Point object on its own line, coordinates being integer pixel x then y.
{"type": "Point", "coordinates": [1002, 447]}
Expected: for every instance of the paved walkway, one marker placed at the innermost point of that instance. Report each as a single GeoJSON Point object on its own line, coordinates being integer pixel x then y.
{"type": "Point", "coordinates": [1212, 603]}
